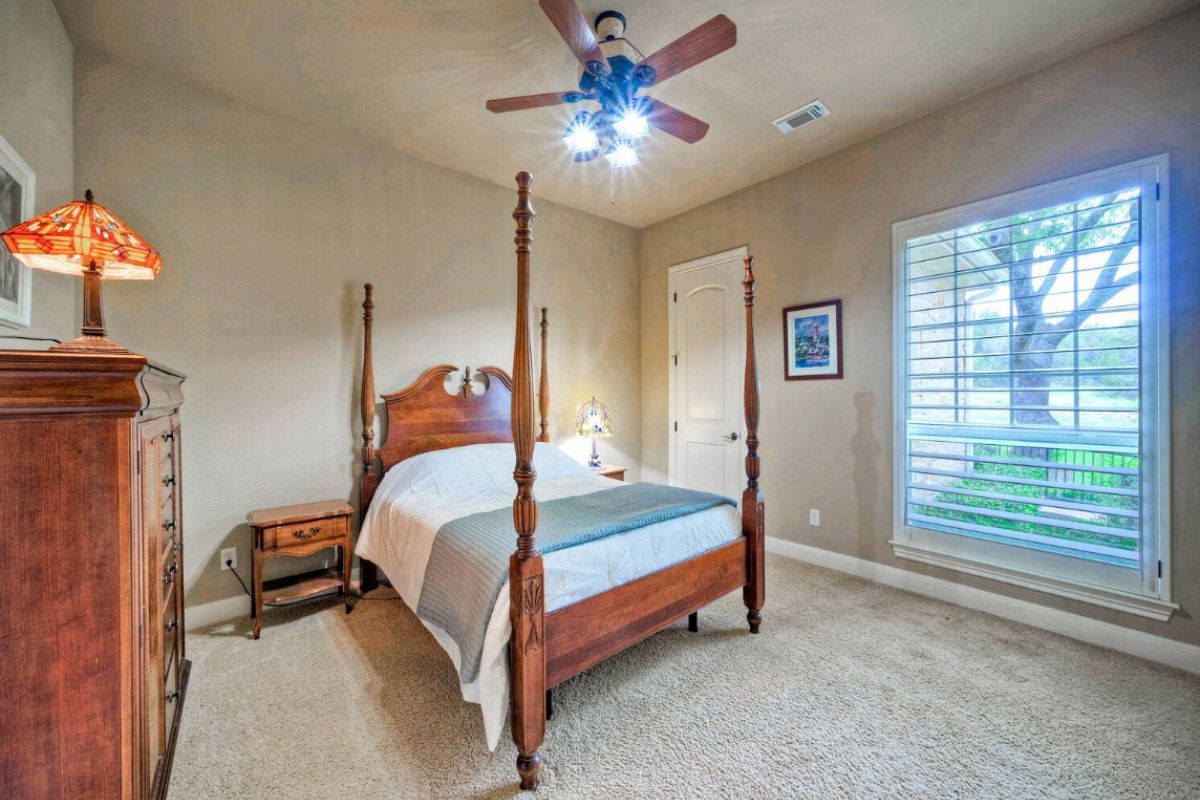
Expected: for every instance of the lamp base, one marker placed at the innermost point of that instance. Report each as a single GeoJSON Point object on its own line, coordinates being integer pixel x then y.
{"type": "Point", "coordinates": [93, 338]}
{"type": "Point", "coordinates": [594, 461]}
{"type": "Point", "coordinates": [90, 343]}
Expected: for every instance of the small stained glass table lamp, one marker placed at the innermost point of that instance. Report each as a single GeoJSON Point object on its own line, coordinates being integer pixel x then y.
{"type": "Point", "coordinates": [84, 238]}
{"type": "Point", "coordinates": [593, 422]}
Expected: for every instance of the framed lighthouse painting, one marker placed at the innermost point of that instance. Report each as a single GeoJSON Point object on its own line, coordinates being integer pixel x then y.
{"type": "Point", "coordinates": [812, 341]}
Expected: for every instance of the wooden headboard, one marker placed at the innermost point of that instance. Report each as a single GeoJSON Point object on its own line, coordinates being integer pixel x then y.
{"type": "Point", "coordinates": [423, 416]}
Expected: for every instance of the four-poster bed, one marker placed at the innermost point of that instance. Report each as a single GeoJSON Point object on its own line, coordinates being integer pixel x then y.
{"type": "Point", "coordinates": [550, 645]}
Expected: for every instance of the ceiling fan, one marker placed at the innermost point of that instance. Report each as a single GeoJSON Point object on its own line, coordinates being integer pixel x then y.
{"type": "Point", "coordinates": [613, 74]}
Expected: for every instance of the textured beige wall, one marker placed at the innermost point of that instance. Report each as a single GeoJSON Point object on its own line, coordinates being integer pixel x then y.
{"type": "Point", "coordinates": [824, 231]}
{"type": "Point", "coordinates": [35, 118]}
{"type": "Point", "coordinates": [268, 229]}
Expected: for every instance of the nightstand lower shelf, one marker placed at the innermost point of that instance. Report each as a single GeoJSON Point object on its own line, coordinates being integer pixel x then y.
{"type": "Point", "coordinates": [301, 587]}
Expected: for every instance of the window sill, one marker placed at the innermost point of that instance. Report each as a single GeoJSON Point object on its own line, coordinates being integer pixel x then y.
{"type": "Point", "coordinates": [1149, 607]}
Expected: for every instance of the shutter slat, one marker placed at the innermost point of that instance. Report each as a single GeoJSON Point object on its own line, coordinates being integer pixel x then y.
{"type": "Point", "coordinates": [1065, 544]}
{"type": "Point", "coordinates": [1049, 522]}
{"type": "Point", "coordinates": [1046, 315]}
{"type": "Point", "coordinates": [996, 335]}
{"type": "Point", "coordinates": [1021, 462]}
{"type": "Point", "coordinates": [1089, 488]}
{"type": "Point", "coordinates": [1035, 500]}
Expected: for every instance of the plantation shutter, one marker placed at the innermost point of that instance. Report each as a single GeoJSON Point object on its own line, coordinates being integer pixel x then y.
{"type": "Point", "coordinates": [1022, 377]}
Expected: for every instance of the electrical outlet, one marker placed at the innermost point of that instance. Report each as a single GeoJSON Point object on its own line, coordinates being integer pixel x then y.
{"type": "Point", "coordinates": [814, 517]}
{"type": "Point", "coordinates": [229, 558]}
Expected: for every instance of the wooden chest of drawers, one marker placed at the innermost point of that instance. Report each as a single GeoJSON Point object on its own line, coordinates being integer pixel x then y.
{"type": "Point", "coordinates": [91, 561]}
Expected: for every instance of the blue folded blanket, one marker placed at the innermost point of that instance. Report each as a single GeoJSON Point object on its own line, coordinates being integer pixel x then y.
{"type": "Point", "coordinates": [468, 564]}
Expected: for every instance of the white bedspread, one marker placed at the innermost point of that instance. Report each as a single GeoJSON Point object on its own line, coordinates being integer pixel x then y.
{"type": "Point", "coordinates": [422, 493]}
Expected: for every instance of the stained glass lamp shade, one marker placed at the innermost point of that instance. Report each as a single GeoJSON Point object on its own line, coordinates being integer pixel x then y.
{"type": "Point", "coordinates": [593, 422]}
{"type": "Point", "coordinates": [84, 238]}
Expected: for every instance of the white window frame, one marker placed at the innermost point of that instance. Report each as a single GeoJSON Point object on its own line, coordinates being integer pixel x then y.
{"type": "Point", "coordinates": [1147, 594]}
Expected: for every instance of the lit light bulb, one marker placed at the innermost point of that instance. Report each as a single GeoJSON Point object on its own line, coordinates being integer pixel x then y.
{"type": "Point", "coordinates": [622, 154]}
{"type": "Point", "coordinates": [632, 126]}
{"type": "Point", "coordinates": [580, 139]}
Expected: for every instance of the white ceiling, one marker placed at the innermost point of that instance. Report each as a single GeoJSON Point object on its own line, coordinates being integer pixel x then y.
{"type": "Point", "coordinates": [416, 75]}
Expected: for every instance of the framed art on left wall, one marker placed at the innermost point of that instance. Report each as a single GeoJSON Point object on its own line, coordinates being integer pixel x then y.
{"type": "Point", "coordinates": [16, 205]}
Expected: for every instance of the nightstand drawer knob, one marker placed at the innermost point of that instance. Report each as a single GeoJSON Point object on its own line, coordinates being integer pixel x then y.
{"type": "Point", "coordinates": [300, 533]}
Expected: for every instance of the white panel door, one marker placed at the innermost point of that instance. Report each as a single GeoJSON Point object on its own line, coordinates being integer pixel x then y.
{"type": "Point", "coordinates": [708, 340]}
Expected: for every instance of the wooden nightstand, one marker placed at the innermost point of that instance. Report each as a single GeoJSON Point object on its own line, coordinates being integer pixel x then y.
{"type": "Point", "coordinates": [294, 531]}
{"type": "Point", "coordinates": [612, 471]}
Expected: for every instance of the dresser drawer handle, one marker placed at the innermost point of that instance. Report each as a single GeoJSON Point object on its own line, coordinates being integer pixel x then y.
{"type": "Point", "coordinates": [172, 696]}
{"type": "Point", "coordinates": [169, 480]}
{"type": "Point", "coordinates": [169, 437]}
{"type": "Point", "coordinates": [169, 573]}
{"type": "Point", "coordinates": [300, 533]}
{"type": "Point", "coordinates": [169, 526]}
{"type": "Point", "coordinates": [177, 547]}
{"type": "Point", "coordinates": [172, 625]}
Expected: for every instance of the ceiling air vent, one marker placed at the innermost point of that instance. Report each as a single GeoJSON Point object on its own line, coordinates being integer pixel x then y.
{"type": "Point", "coordinates": [801, 116]}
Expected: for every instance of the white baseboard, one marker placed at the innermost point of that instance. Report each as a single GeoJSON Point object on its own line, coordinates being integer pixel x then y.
{"type": "Point", "coordinates": [205, 614]}
{"type": "Point", "coordinates": [1144, 645]}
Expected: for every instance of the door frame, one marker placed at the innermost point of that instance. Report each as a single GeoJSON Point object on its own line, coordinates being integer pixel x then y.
{"type": "Point", "coordinates": [673, 273]}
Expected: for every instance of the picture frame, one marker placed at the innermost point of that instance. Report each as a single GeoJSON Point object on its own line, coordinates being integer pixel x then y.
{"type": "Point", "coordinates": [812, 341]}
{"type": "Point", "coordinates": [17, 196]}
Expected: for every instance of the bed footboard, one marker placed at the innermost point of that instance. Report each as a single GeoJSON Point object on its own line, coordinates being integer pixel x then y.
{"type": "Point", "coordinates": [585, 633]}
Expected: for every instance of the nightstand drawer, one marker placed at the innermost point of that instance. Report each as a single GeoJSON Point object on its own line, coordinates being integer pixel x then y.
{"type": "Point", "coordinates": [285, 536]}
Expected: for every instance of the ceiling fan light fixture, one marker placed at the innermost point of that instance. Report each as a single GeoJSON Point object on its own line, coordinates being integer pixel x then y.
{"type": "Point", "coordinates": [614, 72]}
{"type": "Point", "coordinates": [579, 137]}
{"type": "Point", "coordinates": [621, 154]}
{"type": "Point", "coordinates": [632, 125]}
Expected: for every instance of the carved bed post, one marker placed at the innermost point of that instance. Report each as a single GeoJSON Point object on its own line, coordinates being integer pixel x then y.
{"type": "Point", "coordinates": [527, 646]}
{"type": "Point", "coordinates": [544, 387]}
{"type": "Point", "coordinates": [368, 574]}
{"type": "Point", "coordinates": [754, 592]}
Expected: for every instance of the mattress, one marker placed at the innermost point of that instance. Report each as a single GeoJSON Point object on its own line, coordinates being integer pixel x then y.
{"type": "Point", "coordinates": [421, 494]}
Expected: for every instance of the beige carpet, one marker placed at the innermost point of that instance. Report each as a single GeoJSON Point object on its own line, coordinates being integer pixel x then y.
{"type": "Point", "coordinates": [852, 690]}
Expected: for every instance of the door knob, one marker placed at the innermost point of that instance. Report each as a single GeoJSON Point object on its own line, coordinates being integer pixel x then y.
{"type": "Point", "coordinates": [732, 437]}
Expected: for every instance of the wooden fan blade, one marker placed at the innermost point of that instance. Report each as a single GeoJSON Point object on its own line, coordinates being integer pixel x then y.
{"type": "Point", "coordinates": [679, 124]}
{"type": "Point", "coordinates": [700, 44]}
{"type": "Point", "coordinates": [574, 29]}
{"type": "Point", "coordinates": [528, 101]}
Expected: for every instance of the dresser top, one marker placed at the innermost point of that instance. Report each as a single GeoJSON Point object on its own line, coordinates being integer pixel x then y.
{"type": "Point", "coordinates": [42, 382]}
{"type": "Point", "coordinates": [288, 515]}
{"type": "Point", "coordinates": [111, 362]}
